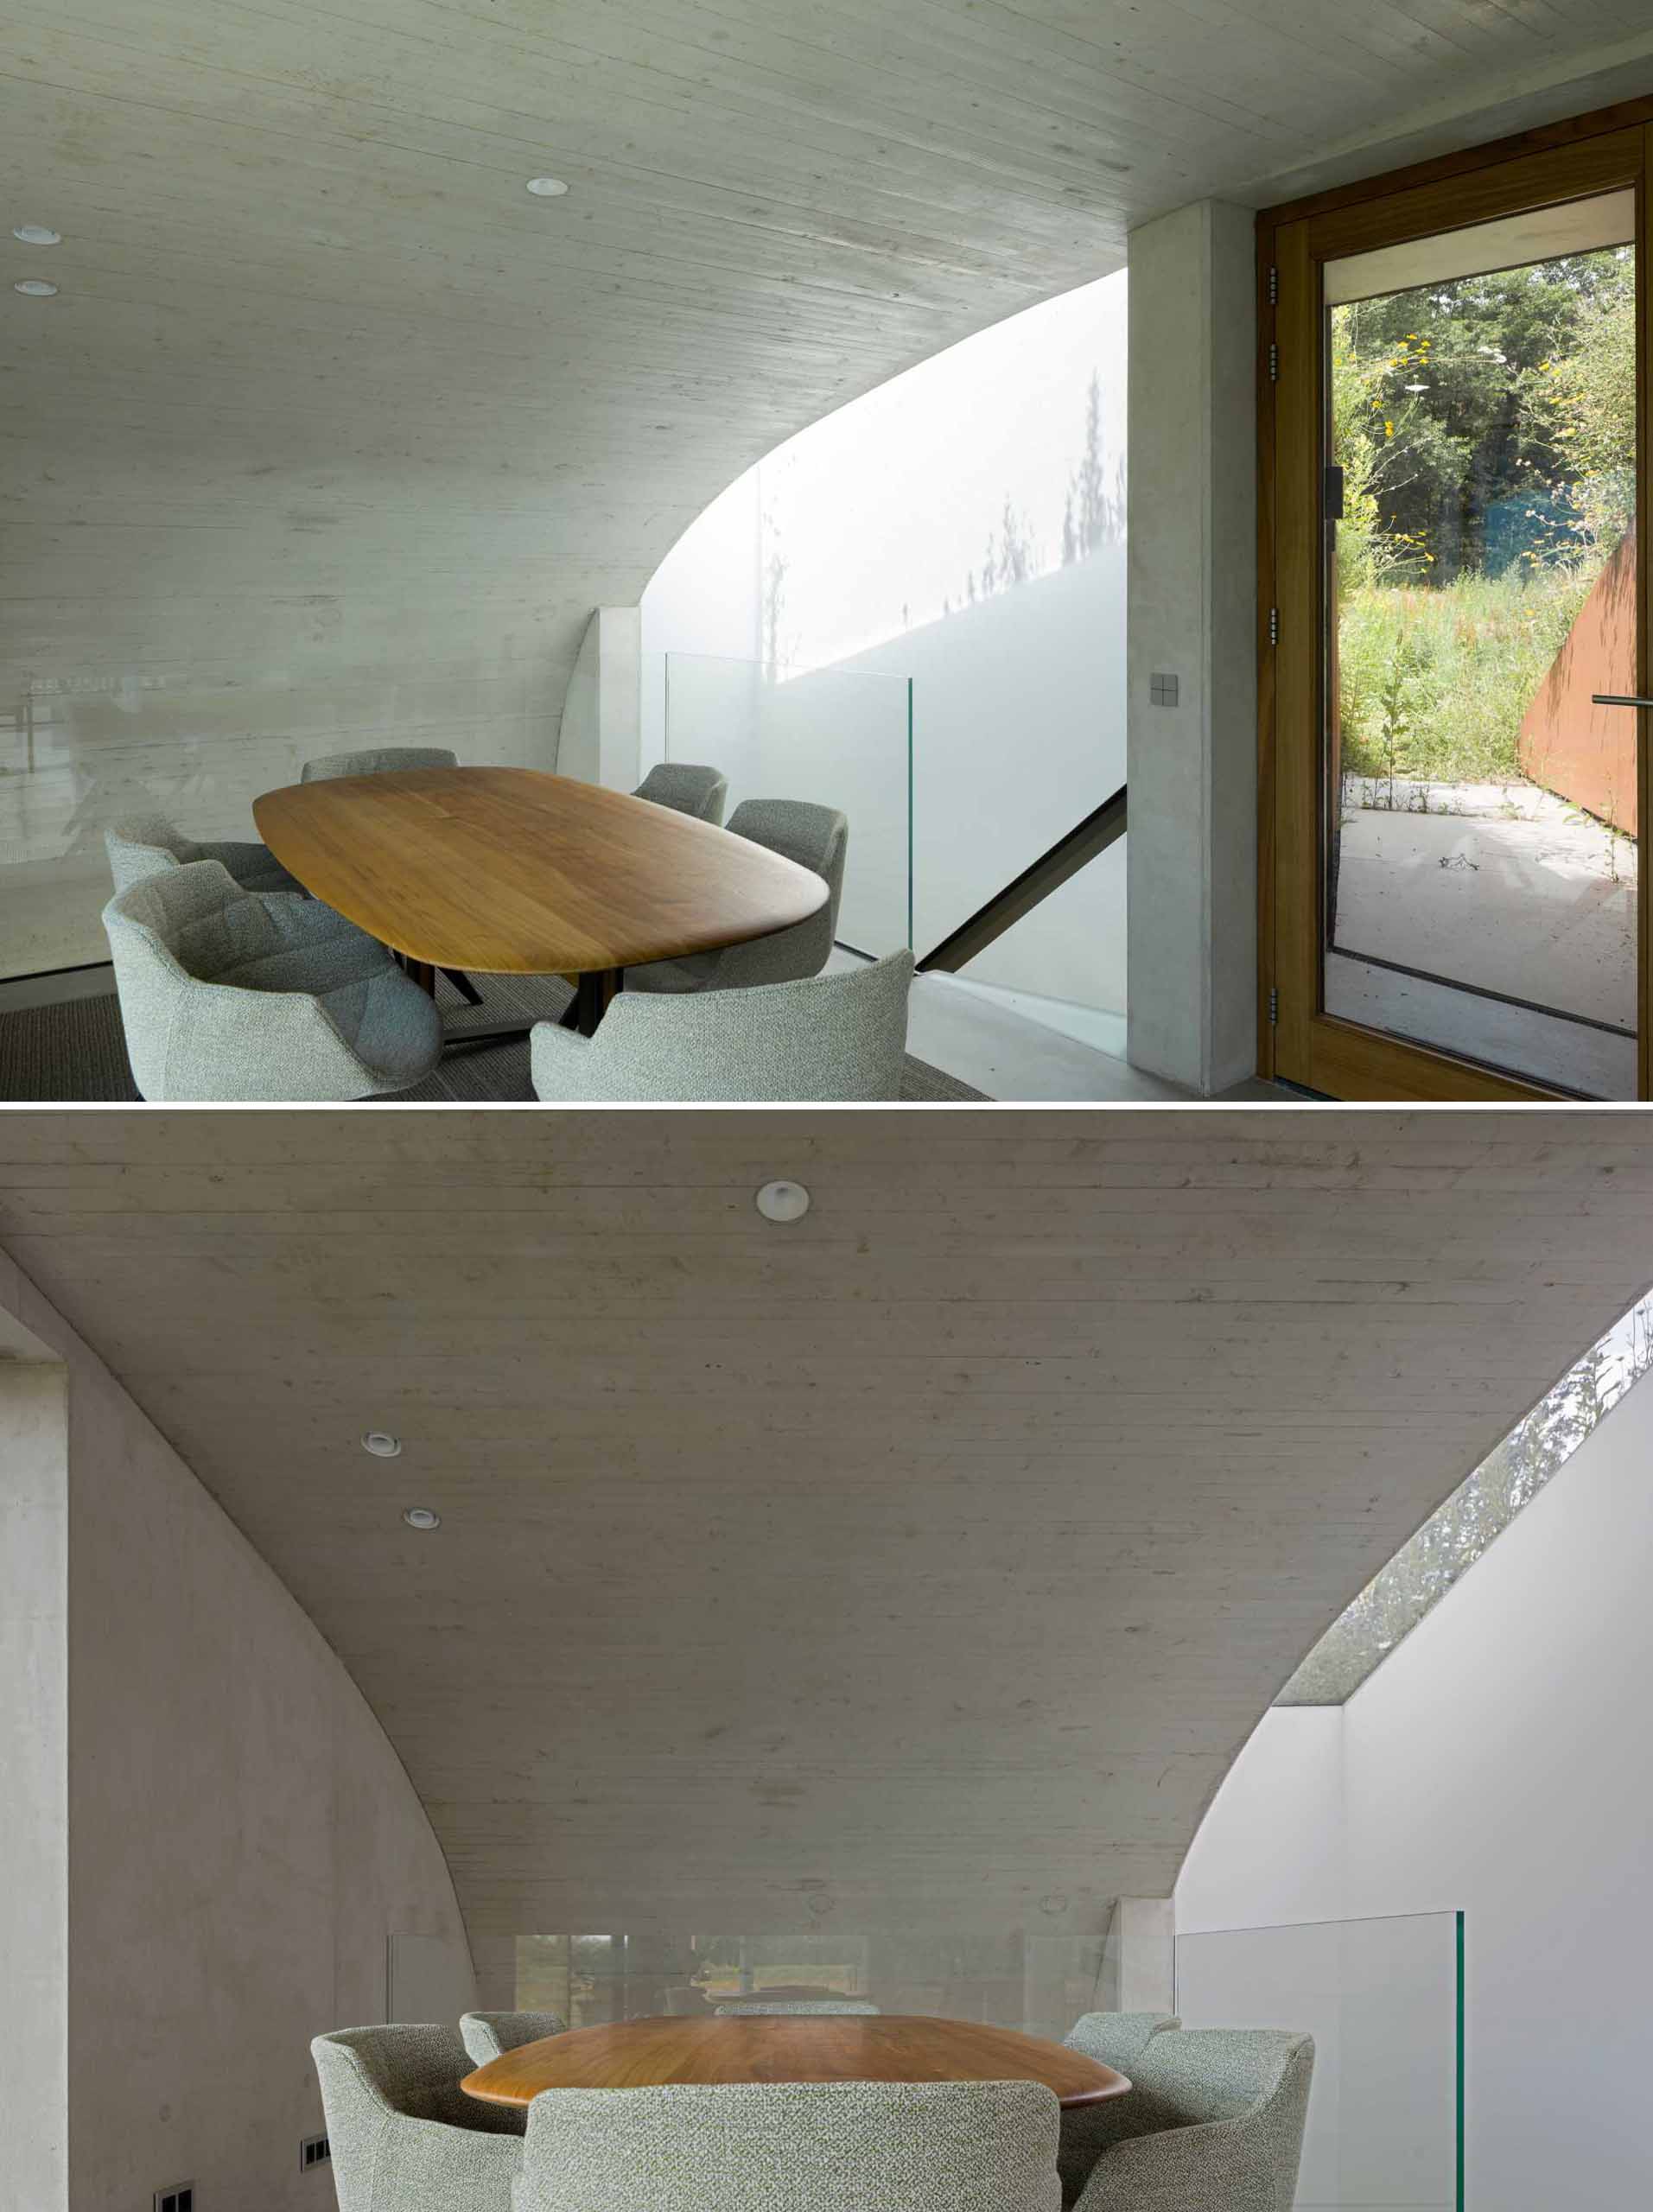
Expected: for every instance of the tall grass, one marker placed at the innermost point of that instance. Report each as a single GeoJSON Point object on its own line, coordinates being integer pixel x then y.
{"type": "Point", "coordinates": [1434, 681]}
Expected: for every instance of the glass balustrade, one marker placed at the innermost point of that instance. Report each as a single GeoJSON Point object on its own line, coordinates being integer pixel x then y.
{"type": "Point", "coordinates": [1384, 1999]}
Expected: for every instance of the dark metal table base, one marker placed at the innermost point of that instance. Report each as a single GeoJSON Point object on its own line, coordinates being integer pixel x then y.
{"type": "Point", "coordinates": [593, 994]}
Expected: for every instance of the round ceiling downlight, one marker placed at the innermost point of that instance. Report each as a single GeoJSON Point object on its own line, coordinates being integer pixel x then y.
{"type": "Point", "coordinates": [35, 288]}
{"type": "Point", "coordinates": [547, 187]}
{"type": "Point", "coordinates": [381, 1444]}
{"type": "Point", "coordinates": [421, 1517]}
{"type": "Point", "coordinates": [37, 234]}
{"type": "Point", "coordinates": [783, 1202]}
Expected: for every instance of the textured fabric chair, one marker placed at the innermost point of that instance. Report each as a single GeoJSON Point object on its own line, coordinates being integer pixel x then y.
{"type": "Point", "coordinates": [1118, 2039]}
{"type": "Point", "coordinates": [143, 845]}
{"type": "Point", "coordinates": [744, 2007]}
{"type": "Point", "coordinates": [377, 761]}
{"type": "Point", "coordinates": [699, 792]}
{"type": "Point", "coordinates": [404, 2136]}
{"type": "Point", "coordinates": [794, 2146]}
{"type": "Point", "coordinates": [233, 995]}
{"type": "Point", "coordinates": [816, 838]}
{"type": "Point", "coordinates": [382, 761]}
{"type": "Point", "coordinates": [1214, 2124]}
{"type": "Point", "coordinates": [833, 1036]}
{"type": "Point", "coordinates": [490, 2035]}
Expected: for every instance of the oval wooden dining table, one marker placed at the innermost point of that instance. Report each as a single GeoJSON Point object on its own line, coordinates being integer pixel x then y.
{"type": "Point", "coordinates": [836, 2047]}
{"type": "Point", "coordinates": [514, 872]}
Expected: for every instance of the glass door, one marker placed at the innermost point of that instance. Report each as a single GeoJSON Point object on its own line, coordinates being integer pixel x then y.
{"type": "Point", "coordinates": [1461, 613]}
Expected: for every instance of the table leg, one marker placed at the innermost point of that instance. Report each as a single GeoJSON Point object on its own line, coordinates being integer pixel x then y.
{"type": "Point", "coordinates": [424, 974]}
{"type": "Point", "coordinates": [594, 993]}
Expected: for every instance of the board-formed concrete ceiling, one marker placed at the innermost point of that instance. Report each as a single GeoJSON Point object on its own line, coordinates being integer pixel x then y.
{"type": "Point", "coordinates": [334, 435]}
{"type": "Point", "coordinates": [927, 1560]}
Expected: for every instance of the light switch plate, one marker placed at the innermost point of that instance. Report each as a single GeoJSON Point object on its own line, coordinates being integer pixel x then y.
{"type": "Point", "coordinates": [1162, 690]}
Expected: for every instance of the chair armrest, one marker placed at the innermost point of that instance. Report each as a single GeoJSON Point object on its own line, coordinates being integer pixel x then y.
{"type": "Point", "coordinates": [564, 1066]}
{"type": "Point", "coordinates": [1215, 2166]}
{"type": "Point", "coordinates": [425, 2163]}
{"type": "Point", "coordinates": [267, 1046]}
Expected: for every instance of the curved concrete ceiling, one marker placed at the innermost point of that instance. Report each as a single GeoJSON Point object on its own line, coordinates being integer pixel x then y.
{"type": "Point", "coordinates": [929, 1558]}
{"type": "Point", "coordinates": [335, 433]}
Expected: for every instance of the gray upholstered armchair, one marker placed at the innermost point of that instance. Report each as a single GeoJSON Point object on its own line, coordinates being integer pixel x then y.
{"type": "Point", "coordinates": [404, 2135]}
{"type": "Point", "coordinates": [232, 995]}
{"type": "Point", "coordinates": [816, 837]}
{"type": "Point", "coordinates": [1118, 2039]}
{"type": "Point", "coordinates": [806, 2147]}
{"type": "Point", "coordinates": [377, 761]}
{"type": "Point", "coordinates": [1214, 2124]}
{"type": "Point", "coordinates": [832, 1037]}
{"type": "Point", "coordinates": [686, 790]}
{"type": "Point", "coordinates": [490, 2035]}
{"type": "Point", "coordinates": [143, 845]}
{"type": "Point", "coordinates": [747, 2007]}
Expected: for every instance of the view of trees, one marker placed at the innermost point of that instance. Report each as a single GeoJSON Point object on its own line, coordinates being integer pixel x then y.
{"type": "Point", "coordinates": [1485, 428]}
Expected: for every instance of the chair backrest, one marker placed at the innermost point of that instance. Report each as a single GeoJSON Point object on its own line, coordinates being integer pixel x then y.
{"type": "Point", "coordinates": [686, 790]}
{"type": "Point", "coordinates": [794, 2146]}
{"type": "Point", "coordinates": [143, 845]}
{"type": "Point", "coordinates": [381, 2091]}
{"type": "Point", "coordinates": [816, 837]}
{"type": "Point", "coordinates": [1215, 2119]}
{"type": "Point", "coordinates": [745, 2008]}
{"type": "Point", "coordinates": [842, 1036]}
{"type": "Point", "coordinates": [490, 2035]}
{"type": "Point", "coordinates": [377, 761]}
{"type": "Point", "coordinates": [1118, 2039]}
{"type": "Point", "coordinates": [154, 927]}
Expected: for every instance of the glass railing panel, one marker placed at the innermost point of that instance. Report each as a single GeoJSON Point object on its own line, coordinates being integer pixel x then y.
{"type": "Point", "coordinates": [1384, 1999]}
{"type": "Point", "coordinates": [1038, 1980]}
{"type": "Point", "coordinates": [841, 741]}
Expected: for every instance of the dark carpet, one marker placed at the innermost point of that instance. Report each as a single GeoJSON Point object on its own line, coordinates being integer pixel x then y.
{"type": "Point", "coordinates": [75, 1052]}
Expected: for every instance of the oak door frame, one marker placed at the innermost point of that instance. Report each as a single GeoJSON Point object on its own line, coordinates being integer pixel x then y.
{"type": "Point", "coordinates": [1297, 1041]}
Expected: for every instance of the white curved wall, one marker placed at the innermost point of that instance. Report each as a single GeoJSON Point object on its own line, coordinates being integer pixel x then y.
{"type": "Point", "coordinates": [962, 525]}
{"type": "Point", "coordinates": [1497, 1762]}
{"type": "Point", "coordinates": [241, 1838]}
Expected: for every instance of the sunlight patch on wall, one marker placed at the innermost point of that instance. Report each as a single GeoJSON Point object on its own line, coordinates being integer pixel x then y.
{"type": "Point", "coordinates": [998, 462]}
{"type": "Point", "coordinates": [1479, 1510]}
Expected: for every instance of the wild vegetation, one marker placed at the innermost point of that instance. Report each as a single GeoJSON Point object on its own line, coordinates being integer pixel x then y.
{"type": "Point", "coordinates": [1485, 429]}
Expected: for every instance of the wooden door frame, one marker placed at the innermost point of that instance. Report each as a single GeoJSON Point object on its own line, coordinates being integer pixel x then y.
{"type": "Point", "coordinates": [1599, 152]}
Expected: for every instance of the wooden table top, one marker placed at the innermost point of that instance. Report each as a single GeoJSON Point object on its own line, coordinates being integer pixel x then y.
{"type": "Point", "coordinates": [509, 871]}
{"type": "Point", "coordinates": [840, 2047]}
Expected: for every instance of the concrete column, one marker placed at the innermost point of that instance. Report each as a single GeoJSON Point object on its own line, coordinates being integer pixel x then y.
{"type": "Point", "coordinates": [1145, 1936]}
{"type": "Point", "coordinates": [1190, 736]}
{"type": "Point", "coordinates": [601, 733]}
{"type": "Point", "coordinates": [34, 1765]}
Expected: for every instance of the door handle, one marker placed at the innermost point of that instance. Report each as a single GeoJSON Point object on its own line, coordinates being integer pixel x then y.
{"type": "Point", "coordinates": [1616, 699]}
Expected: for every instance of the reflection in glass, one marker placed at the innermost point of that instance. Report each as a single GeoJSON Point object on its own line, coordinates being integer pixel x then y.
{"type": "Point", "coordinates": [1384, 2001]}
{"type": "Point", "coordinates": [1040, 1979]}
{"type": "Point", "coordinates": [1481, 862]}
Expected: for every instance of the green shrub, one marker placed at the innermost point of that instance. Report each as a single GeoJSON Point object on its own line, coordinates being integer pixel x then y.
{"type": "Point", "coordinates": [1435, 682]}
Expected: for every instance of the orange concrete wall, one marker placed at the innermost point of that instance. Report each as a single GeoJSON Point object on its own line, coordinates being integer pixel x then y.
{"type": "Point", "coordinates": [1586, 753]}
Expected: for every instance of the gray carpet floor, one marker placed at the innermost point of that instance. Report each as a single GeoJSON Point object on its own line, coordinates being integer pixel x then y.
{"type": "Point", "coordinates": [75, 1052]}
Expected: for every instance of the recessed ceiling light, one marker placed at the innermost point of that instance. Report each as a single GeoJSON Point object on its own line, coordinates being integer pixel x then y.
{"type": "Point", "coordinates": [421, 1517]}
{"type": "Point", "coordinates": [381, 1444]}
{"type": "Point", "coordinates": [35, 288]}
{"type": "Point", "coordinates": [783, 1202]}
{"type": "Point", "coordinates": [547, 187]}
{"type": "Point", "coordinates": [37, 234]}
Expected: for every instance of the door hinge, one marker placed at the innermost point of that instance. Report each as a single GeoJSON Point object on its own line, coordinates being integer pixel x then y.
{"type": "Point", "coordinates": [1274, 1005]}
{"type": "Point", "coordinates": [1273, 363]}
{"type": "Point", "coordinates": [1273, 287]}
{"type": "Point", "coordinates": [1274, 625]}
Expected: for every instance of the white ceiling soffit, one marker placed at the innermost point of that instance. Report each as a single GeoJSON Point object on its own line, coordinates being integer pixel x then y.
{"type": "Point", "coordinates": [935, 1553]}
{"type": "Point", "coordinates": [1542, 234]}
